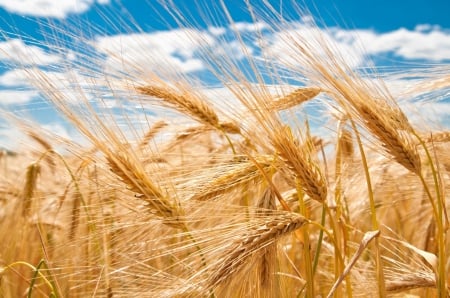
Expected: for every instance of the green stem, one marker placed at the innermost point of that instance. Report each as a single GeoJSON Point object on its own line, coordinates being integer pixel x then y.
{"type": "Point", "coordinates": [35, 275]}
{"type": "Point", "coordinates": [34, 278]}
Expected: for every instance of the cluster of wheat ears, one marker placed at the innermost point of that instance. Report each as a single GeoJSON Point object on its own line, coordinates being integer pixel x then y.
{"type": "Point", "coordinates": [237, 195]}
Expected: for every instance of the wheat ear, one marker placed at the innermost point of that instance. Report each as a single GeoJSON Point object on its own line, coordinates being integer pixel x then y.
{"type": "Point", "coordinates": [438, 137]}
{"type": "Point", "coordinates": [387, 122]}
{"type": "Point", "coordinates": [410, 282]}
{"type": "Point", "coordinates": [229, 127]}
{"type": "Point", "coordinates": [75, 215]}
{"type": "Point", "coordinates": [345, 143]}
{"type": "Point", "coordinates": [236, 175]}
{"type": "Point", "coordinates": [396, 141]}
{"type": "Point", "coordinates": [46, 145]}
{"type": "Point", "coordinates": [300, 164]}
{"type": "Point", "coordinates": [32, 174]}
{"type": "Point", "coordinates": [138, 182]}
{"type": "Point", "coordinates": [155, 129]}
{"type": "Point", "coordinates": [184, 102]}
{"type": "Point", "coordinates": [295, 98]}
{"type": "Point", "coordinates": [252, 243]}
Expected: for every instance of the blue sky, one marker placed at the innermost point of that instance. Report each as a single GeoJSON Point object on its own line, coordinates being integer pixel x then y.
{"type": "Point", "coordinates": [380, 15]}
{"type": "Point", "coordinates": [393, 33]}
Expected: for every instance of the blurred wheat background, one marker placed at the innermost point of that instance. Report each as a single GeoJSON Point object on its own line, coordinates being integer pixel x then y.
{"type": "Point", "coordinates": [300, 177]}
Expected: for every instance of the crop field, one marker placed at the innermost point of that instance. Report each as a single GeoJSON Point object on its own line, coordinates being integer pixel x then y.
{"type": "Point", "coordinates": [299, 179]}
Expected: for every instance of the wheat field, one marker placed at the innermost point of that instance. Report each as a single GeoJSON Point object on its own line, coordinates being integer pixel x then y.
{"type": "Point", "coordinates": [230, 191]}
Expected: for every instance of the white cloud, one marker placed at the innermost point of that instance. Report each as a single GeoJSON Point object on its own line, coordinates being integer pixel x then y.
{"type": "Point", "coordinates": [175, 49]}
{"type": "Point", "coordinates": [49, 8]}
{"type": "Point", "coordinates": [20, 86]}
{"type": "Point", "coordinates": [57, 129]}
{"type": "Point", "coordinates": [216, 31]}
{"type": "Point", "coordinates": [16, 77]}
{"type": "Point", "coordinates": [283, 45]}
{"type": "Point", "coordinates": [10, 97]}
{"type": "Point", "coordinates": [16, 51]}
{"type": "Point", "coordinates": [10, 137]}
{"type": "Point", "coordinates": [250, 27]}
{"type": "Point", "coordinates": [435, 115]}
{"type": "Point", "coordinates": [424, 42]}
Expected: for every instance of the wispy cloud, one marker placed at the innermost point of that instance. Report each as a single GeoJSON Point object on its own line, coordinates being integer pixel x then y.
{"type": "Point", "coordinates": [49, 8]}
